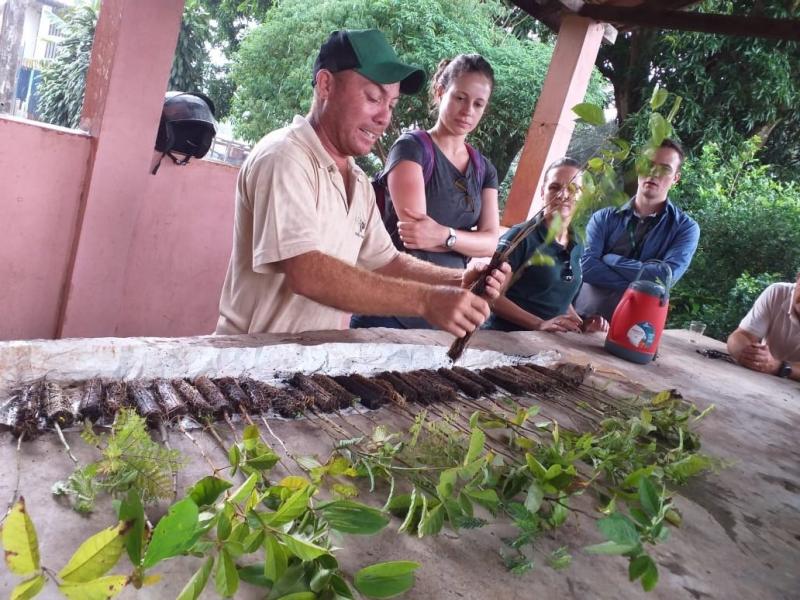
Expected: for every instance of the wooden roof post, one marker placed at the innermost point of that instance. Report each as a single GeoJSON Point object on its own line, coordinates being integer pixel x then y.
{"type": "Point", "coordinates": [550, 131]}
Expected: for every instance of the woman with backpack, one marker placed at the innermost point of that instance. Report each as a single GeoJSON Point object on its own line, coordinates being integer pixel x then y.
{"type": "Point", "coordinates": [440, 192]}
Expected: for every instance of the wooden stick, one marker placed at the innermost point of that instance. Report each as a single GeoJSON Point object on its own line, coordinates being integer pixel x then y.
{"type": "Point", "coordinates": [182, 429]}
{"type": "Point", "coordinates": [504, 250]}
{"type": "Point", "coordinates": [67, 449]}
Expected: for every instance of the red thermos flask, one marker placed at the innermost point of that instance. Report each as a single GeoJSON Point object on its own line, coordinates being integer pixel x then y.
{"type": "Point", "coordinates": [638, 321]}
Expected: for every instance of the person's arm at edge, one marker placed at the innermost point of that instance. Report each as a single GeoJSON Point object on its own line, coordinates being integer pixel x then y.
{"type": "Point", "coordinates": [329, 281]}
{"type": "Point", "coordinates": [407, 189]}
{"type": "Point", "coordinates": [405, 266]}
{"type": "Point", "coordinates": [741, 339]}
{"type": "Point", "coordinates": [678, 257]}
{"type": "Point", "coordinates": [595, 271]}
{"type": "Point", "coordinates": [506, 309]}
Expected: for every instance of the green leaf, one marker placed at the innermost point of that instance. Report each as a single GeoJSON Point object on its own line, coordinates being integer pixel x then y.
{"type": "Point", "coordinates": [340, 589]}
{"type": "Point", "coordinates": [650, 576]}
{"type": "Point", "coordinates": [595, 164]}
{"type": "Point", "coordinates": [244, 490]}
{"type": "Point", "coordinates": [387, 579]}
{"type": "Point", "coordinates": [294, 506]}
{"type": "Point", "coordinates": [132, 511]}
{"type": "Point", "coordinates": [413, 502]}
{"type": "Point", "coordinates": [302, 549]}
{"type": "Point", "coordinates": [486, 498]}
{"type": "Point", "coordinates": [19, 541]}
{"type": "Point", "coordinates": [254, 575]}
{"type": "Point", "coordinates": [591, 113]}
{"type": "Point", "coordinates": [432, 521]}
{"type": "Point", "coordinates": [226, 579]}
{"type": "Point", "coordinates": [28, 588]}
{"type": "Point", "coordinates": [534, 497]}
{"type": "Point", "coordinates": [447, 481]}
{"type": "Point", "coordinates": [610, 548]}
{"type": "Point", "coordinates": [206, 491]}
{"type": "Point", "coordinates": [658, 98]}
{"type": "Point", "coordinates": [97, 589]}
{"type": "Point", "coordinates": [293, 580]}
{"type": "Point", "coordinates": [638, 566]}
{"type": "Point", "coordinates": [234, 458]}
{"type": "Point", "coordinates": [535, 467]}
{"type": "Point", "coordinates": [352, 517]}
{"type": "Point", "coordinates": [299, 596]}
{"type": "Point", "coordinates": [264, 461]}
{"type": "Point", "coordinates": [95, 556]}
{"type": "Point", "coordinates": [620, 529]}
{"type": "Point", "coordinates": [633, 479]}
{"type": "Point", "coordinates": [659, 128]}
{"type": "Point", "coordinates": [275, 558]}
{"type": "Point", "coordinates": [649, 497]}
{"type": "Point", "coordinates": [194, 587]}
{"type": "Point", "coordinates": [553, 471]}
{"type": "Point", "coordinates": [676, 105]}
{"type": "Point", "coordinates": [476, 443]}
{"type": "Point", "coordinates": [174, 533]}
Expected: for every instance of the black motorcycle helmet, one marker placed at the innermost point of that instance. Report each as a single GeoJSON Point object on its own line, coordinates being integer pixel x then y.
{"type": "Point", "coordinates": [187, 127]}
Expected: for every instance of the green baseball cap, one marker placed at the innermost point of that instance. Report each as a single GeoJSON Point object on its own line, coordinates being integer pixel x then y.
{"type": "Point", "coordinates": [368, 52]}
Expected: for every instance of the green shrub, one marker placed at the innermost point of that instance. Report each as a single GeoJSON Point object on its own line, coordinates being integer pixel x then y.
{"type": "Point", "coordinates": [749, 223]}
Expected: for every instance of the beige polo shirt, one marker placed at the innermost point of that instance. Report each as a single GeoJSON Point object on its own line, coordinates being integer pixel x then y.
{"type": "Point", "coordinates": [290, 200]}
{"type": "Point", "coordinates": [773, 319]}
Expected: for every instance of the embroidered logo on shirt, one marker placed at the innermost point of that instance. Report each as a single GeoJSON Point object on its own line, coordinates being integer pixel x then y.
{"type": "Point", "coordinates": [361, 227]}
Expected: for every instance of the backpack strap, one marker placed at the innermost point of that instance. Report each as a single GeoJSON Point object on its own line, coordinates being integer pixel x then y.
{"type": "Point", "coordinates": [477, 163]}
{"type": "Point", "coordinates": [428, 155]}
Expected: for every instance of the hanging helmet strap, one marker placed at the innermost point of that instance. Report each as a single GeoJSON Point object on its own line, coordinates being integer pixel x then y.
{"type": "Point", "coordinates": [175, 159]}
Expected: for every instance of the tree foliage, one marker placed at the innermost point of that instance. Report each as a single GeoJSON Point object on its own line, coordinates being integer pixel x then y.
{"type": "Point", "coordinates": [735, 87]}
{"type": "Point", "coordinates": [273, 67]}
{"type": "Point", "coordinates": [64, 78]}
{"type": "Point", "coordinates": [750, 235]}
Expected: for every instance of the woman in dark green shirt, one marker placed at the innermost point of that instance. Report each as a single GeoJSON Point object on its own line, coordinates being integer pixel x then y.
{"type": "Point", "coordinates": [541, 294]}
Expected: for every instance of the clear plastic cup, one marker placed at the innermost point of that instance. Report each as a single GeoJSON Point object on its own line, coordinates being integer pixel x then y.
{"type": "Point", "coordinates": [696, 330]}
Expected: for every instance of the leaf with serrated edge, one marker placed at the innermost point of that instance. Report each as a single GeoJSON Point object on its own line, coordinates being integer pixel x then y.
{"type": "Point", "coordinates": [194, 587]}
{"type": "Point", "coordinates": [28, 588]}
{"type": "Point", "coordinates": [19, 541]}
{"type": "Point", "coordinates": [97, 589]}
{"type": "Point", "coordinates": [95, 556]}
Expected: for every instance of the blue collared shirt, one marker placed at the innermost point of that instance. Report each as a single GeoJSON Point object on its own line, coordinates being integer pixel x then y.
{"type": "Point", "coordinates": [673, 239]}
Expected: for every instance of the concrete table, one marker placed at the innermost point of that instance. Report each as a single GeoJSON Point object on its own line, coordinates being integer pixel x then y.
{"type": "Point", "coordinates": [740, 536]}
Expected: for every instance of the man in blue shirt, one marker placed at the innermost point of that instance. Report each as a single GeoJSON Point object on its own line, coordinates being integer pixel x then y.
{"type": "Point", "coordinates": [649, 226]}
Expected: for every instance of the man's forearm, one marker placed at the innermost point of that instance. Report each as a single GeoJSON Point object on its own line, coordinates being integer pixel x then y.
{"type": "Point", "coordinates": [738, 341]}
{"type": "Point", "coordinates": [405, 266]}
{"type": "Point", "coordinates": [329, 281]}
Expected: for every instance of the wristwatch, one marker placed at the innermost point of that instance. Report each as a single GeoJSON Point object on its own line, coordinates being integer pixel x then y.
{"type": "Point", "coordinates": [451, 238]}
{"type": "Point", "coordinates": [785, 370]}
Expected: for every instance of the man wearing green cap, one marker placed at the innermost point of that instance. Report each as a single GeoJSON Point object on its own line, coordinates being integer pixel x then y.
{"type": "Point", "coordinates": [309, 246]}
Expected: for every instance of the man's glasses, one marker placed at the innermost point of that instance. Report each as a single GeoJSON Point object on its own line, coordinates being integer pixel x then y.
{"type": "Point", "coordinates": [460, 183]}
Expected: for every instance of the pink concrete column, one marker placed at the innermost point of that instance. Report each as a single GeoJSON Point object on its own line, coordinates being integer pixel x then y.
{"type": "Point", "coordinates": [131, 59]}
{"type": "Point", "coordinates": [553, 121]}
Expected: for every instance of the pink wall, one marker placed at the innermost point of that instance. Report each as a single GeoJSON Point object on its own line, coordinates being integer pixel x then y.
{"type": "Point", "coordinates": [180, 237]}
{"type": "Point", "coordinates": [179, 252]}
{"type": "Point", "coordinates": [41, 179]}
